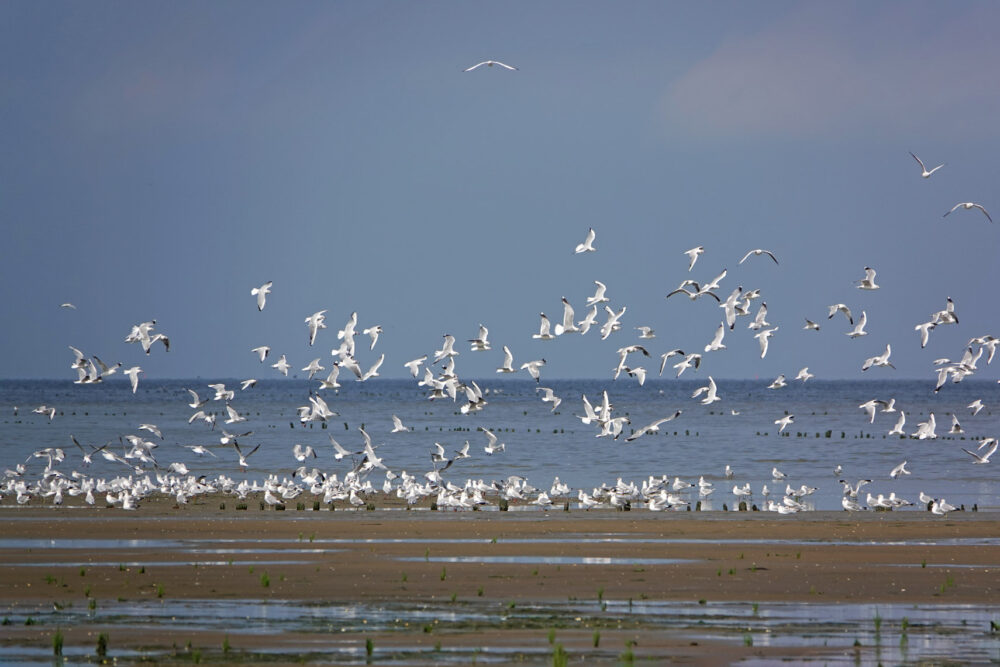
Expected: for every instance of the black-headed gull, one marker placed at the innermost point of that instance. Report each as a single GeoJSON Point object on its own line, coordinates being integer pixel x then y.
{"type": "Point", "coordinates": [693, 254]}
{"type": "Point", "coordinates": [261, 294]}
{"type": "Point", "coordinates": [315, 323]}
{"type": "Point", "coordinates": [868, 282]}
{"type": "Point", "coordinates": [923, 169]}
{"type": "Point", "coordinates": [759, 251]}
{"type": "Point", "coordinates": [588, 243]}
{"type": "Point", "coordinates": [490, 63]}
{"type": "Point", "coordinates": [967, 205]}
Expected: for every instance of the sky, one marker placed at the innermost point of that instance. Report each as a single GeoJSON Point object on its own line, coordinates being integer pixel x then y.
{"type": "Point", "coordinates": [158, 160]}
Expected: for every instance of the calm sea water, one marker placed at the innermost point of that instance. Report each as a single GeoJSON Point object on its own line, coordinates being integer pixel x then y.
{"type": "Point", "coordinates": [829, 430]}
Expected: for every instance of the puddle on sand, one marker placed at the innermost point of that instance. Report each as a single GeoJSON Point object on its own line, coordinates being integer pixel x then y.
{"type": "Point", "coordinates": [843, 633]}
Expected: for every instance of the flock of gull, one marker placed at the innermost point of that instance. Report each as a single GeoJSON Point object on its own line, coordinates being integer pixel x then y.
{"type": "Point", "coordinates": [138, 471]}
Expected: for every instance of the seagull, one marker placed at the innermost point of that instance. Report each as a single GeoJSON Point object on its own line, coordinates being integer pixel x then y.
{"type": "Point", "coordinates": [152, 428]}
{"type": "Point", "coordinates": [784, 421]}
{"type": "Point", "coordinates": [710, 390]}
{"type": "Point", "coordinates": [653, 427]}
{"type": "Point", "coordinates": [244, 457]}
{"type": "Point", "coordinates": [338, 451]}
{"type": "Point", "coordinates": [508, 361]}
{"type": "Point", "coordinates": [925, 430]}
{"type": "Point", "coordinates": [373, 333]}
{"type": "Point", "coordinates": [804, 374]}
{"type": "Point", "coordinates": [898, 428]}
{"type": "Point", "coordinates": [777, 475]}
{"type": "Point", "coordinates": [533, 368]}
{"type": "Point", "coordinates": [549, 396]}
{"type": "Point", "coordinates": [200, 450]}
{"type": "Point", "coordinates": [956, 427]}
{"type": "Point", "coordinates": [588, 320]}
{"type": "Point", "coordinates": [778, 382]}
{"type": "Point", "coordinates": [481, 342]}
{"type": "Point", "coordinates": [414, 365]}
{"type": "Point", "coordinates": [489, 63]}
{"type": "Point", "coordinates": [133, 374]}
{"type": "Point", "coordinates": [667, 355]}
{"type": "Point", "coordinates": [315, 323]}
{"type": "Point", "coordinates": [967, 205]}
{"type": "Point", "coordinates": [447, 350]}
{"type": "Point", "coordinates": [302, 453]}
{"type": "Point", "coordinates": [646, 332]}
{"type": "Point", "coordinates": [246, 384]}
{"type": "Point", "coordinates": [544, 329]}
{"type": "Point", "coordinates": [868, 282]}
{"type": "Point", "coordinates": [693, 254]}
{"type": "Point", "coordinates": [261, 352]}
{"type": "Point", "coordinates": [234, 417]}
{"type": "Point", "coordinates": [716, 342]}
{"type": "Point", "coordinates": [923, 169]}
{"type": "Point", "coordinates": [313, 367]}
{"type": "Point", "coordinates": [687, 362]}
{"type": "Point", "coordinates": [491, 447]}
{"type": "Point", "coordinates": [859, 328]}
{"type": "Point", "coordinates": [397, 425]}
{"type": "Point", "coordinates": [759, 251]}
{"type": "Point", "coordinates": [763, 337]}
{"type": "Point", "coordinates": [67, 305]}
{"type": "Point", "coordinates": [588, 243]}
{"type": "Point", "coordinates": [598, 294]}
{"type": "Point", "coordinates": [899, 470]}
{"type": "Point", "coordinates": [925, 332]}
{"type": "Point", "coordinates": [612, 323]}
{"type": "Point", "coordinates": [842, 308]}
{"type": "Point", "coordinates": [261, 294]}
{"type": "Point", "coordinates": [869, 408]}
{"type": "Point", "coordinates": [992, 443]}
{"type": "Point", "coordinates": [976, 406]}
{"type": "Point", "coordinates": [880, 360]}
{"type": "Point", "coordinates": [568, 324]}
{"type": "Point", "coordinates": [282, 365]}
{"type": "Point", "coordinates": [810, 325]}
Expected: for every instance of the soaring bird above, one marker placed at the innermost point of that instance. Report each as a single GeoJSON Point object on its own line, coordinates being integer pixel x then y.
{"type": "Point", "coordinates": [489, 63]}
{"type": "Point", "coordinates": [966, 206]}
{"type": "Point", "coordinates": [759, 251]}
{"type": "Point", "coordinates": [261, 294]}
{"type": "Point", "coordinates": [588, 242]}
{"type": "Point", "coordinates": [923, 169]}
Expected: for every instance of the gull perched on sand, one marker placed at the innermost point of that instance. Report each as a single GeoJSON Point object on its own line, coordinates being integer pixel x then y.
{"type": "Point", "coordinates": [588, 243]}
{"type": "Point", "coordinates": [923, 169]}
{"type": "Point", "coordinates": [969, 205]}
{"type": "Point", "coordinates": [261, 294]}
{"type": "Point", "coordinates": [490, 63]}
{"type": "Point", "coordinates": [758, 252]}
{"type": "Point", "coordinates": [693, 254]}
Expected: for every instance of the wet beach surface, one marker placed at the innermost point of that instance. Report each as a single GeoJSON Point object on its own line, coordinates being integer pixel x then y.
{"type": "Point", "coordinates": [422, 588]}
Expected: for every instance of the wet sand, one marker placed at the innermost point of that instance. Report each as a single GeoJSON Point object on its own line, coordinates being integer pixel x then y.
{"type": "Point", "coordinates": [512, 560]}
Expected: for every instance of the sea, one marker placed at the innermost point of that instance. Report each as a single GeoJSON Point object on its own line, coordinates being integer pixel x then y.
{"type": "Point", "coordinates": [830, 439]}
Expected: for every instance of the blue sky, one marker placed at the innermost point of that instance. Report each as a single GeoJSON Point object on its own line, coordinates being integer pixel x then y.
{"type": "Point", "coordinates": [158, 160]}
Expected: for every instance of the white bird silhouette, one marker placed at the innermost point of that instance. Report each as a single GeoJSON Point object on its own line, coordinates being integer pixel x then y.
{"type": "Point", "coordinates": [133, 374]}
{"type": "Point", "coordinates": [868, 282]}
{"type": "Point", "coordinates": [490, 63]}
{"type": "Point", "coordinates": [315, 323]}
{"type": "Point", "coordinates": [261, 352]}
{"type": "Point", "coordinates": [693, 254]}
{"type": "Point", "coordinates": [758, 252]}
{"type": "Point", "coordinates": [966, 206]}
{"type": "Point", "coordinates": [261, 294]}
{"type": "Point", "coordinates": [588, 243]}
{"type": "Point", "coordinates": [923, 169]}
{"type": "Point", "coordinates": [282, 365]}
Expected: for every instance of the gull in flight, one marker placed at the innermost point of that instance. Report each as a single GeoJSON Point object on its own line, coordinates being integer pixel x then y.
{"type": "Point", "coordinates": [612, 323]}
{"type": "Point", "coordinates": [869, 408]}
{"type": "Point", "coordinates": [667, 355]}
{"type": "Point", "coordinates": [716, 342]}
{"type": "Point", "coordinates": [508, 361]}
{"type": "Point", "coordinates": [397, 425]}
{"type": "Point", "coordinates": [588, 243]}
{"type": "Point", "coordinates": [923, 169]}
{"type": "Point", "coordinates": [925, 332]}
{"type": "Point", "coordinates": [133, 374]}
{"type": "Point", "coordinates": [859, 328]}
{"type": "Point", "coordinates": [757, 252]}
{"type": "Point", "coordinates": [414, 365]}
{"type": "Point", "coordinates": [898, 428]}
{"type": "Point", "coordinates": [646, 332]}
{"type": "Point", "coordinates": [810, 325]}
{"type": "Point", "coordinates": [598, 294]}
{"type": "Point", "coordinates": [246, 384]}
{"type": "Point", "coordinates": [315, 323]}
{"type": "Point", "coordinates": [301, 453]}
{"type": "Point", "coordinates": [868, 282]}
{"type": "Point", "coordinates": [544, 329]}
{"type": "Point", "coordinates": [778, 382]}
{"type": "Point", "coordinates": [196, 401]}
{"type": "Point", "coordinates": [710, 391]}
{"type": "Point", "coordinates": [926, 430]}
{"type": "Point", "coordinates": [67, 305]}
{"type": "Point", "coordinates": [282, 365]}
{"type": "Point", "coordinates": [261, 294]}
{"type": "Point", "coordinates": [842, 308]}
{"type": "Point", "coordinates": [804, 374]}
{"type": "Point", "coordinates": [533, 368]}
{"type": "Point", "coordinates": [693, 254]}
{"type": "Point", "coordinates": [763, 337]}
{"type": "Point", "coordinates": [568, 324]}
{"type": "Point", "coordinates": [481, 342]}
{"type": "Point", "coordinates": [652, 428]}
{"type": "Point", "coordinates": [880, 360]}
{"type": "Point", "coordinates": [966, 206]}
{"type": "Point", "coordinates": [976, 406]}
{"type": "Point", "coordinates": [243, 457]}
{"type": "Point", "coordinates": [313, 368]}
{"type": "Point", "coordinates": [588, 320]}
{"type": "Point", "coordinates": [687, 362]}
{"type": "Point", "coordinates": [373, 333]}
{"type": "Point", "coordinates": [549, 396]}
{"type": "Point", "coordinates": [261, 352]}
{"type": "Point", "coordinates": [489, 63]}
{"type": "Point", "coordinates": [899, 470]}
{"type": "Point", "coordinates": [983, 458]}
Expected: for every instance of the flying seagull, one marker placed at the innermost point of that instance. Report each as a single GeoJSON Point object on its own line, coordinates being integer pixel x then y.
{"type": "Point", "coordinates": [588, 243]}
{"type": "Point", "coordinates": [261, 294]}
{"type": "Point", "coordinates": [489, 63]}
{"type": "Point", "coordinates": [967, 205]}
{"type": "Point", "coordinates": [923, 169]}
{"type": "Point", "coordinates": [759, 251]}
